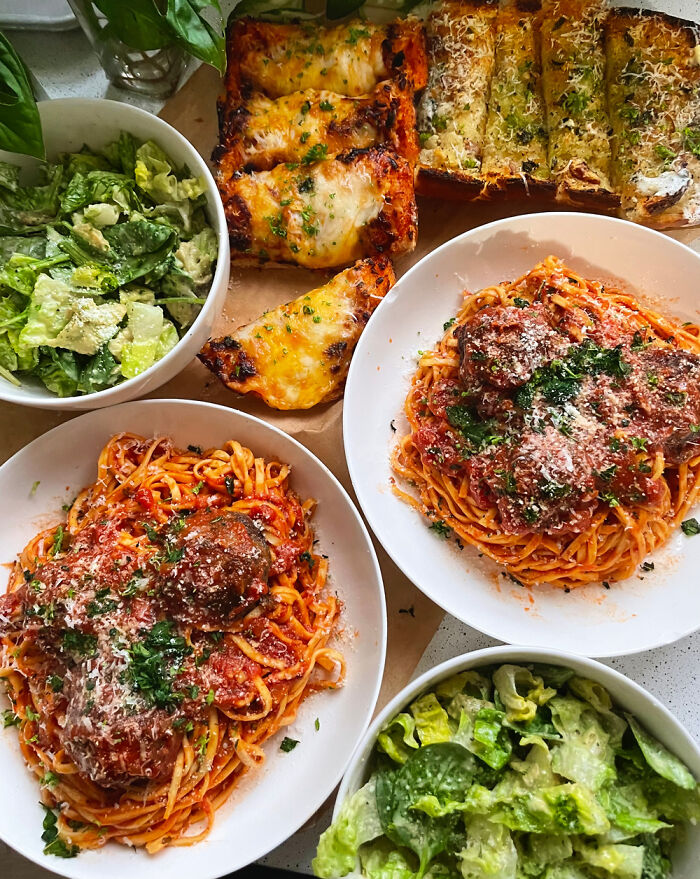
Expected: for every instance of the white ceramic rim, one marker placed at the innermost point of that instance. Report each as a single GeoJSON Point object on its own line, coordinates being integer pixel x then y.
{"type": "Point", "coordinates": [326, 784]}
{"type": "Point", "coordinates": [598, 671]}
{"type": "Point", "coordinates": [214, 209]}
{"type": "Point", "coordinates": [356, 365]}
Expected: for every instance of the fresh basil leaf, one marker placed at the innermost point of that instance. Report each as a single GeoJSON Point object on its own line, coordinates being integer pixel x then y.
{"type": "Point", "coordinates": [137, 23]}
{"type": "Point", "coordinates": [195, 34]}
{"type": "Point", "coordinates": [20, 125]}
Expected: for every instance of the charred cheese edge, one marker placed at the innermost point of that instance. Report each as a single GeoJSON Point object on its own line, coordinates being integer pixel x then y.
{"type": "Point", "coordinates": [573, 79]}
{"type": "Point", "coordinates": [452, 111]}
{"type": "Point", "coordinates": [323, 214]}
{"type": "Point", "coordinates": [298, 355]}
{"type": "Point", "coordinates": [349, 59]}
{"type": "Point", "coordinates": [265, 132]}
{"type": "Point", "coordinates": [515, 143]}
{"type": "Point", "coordinates": [654, 99]}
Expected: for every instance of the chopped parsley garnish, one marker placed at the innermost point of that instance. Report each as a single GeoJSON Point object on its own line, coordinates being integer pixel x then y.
{"type": "Point", "coordinates": [277, 225]}
{"type": "Point", "coordinates": [647, 566]}
{"type": "Point", "coordinates": [441, 528]}
{"type": "Point", "coordinates": [607, 474]}
{"type": "Point", "coordinates": [477, 432]}
{"type": "Point", "coordinates": [198, 487]}
{"type": "Point", "coordinates": [288, 744]}
{"type": "Point", "coordinates": [230, 484]}
{"type": "Point", "coordinates": [57, 545]}
{"type": "Point", "coordinates": [100, 604]}
{"type": "Point", "coordinates": [174, 553]}
{"type": "Point", "coordinates": [196, 449]}
{"type": "Point", "coordinates": [50, 779]}
{"type": "Point", "coordinates": [80, 643]}
{"type": "Point", "coordinates": [639, 443]}
{"type": "Point", "coordinates": [315, 154]}
{"type": "Point", "coordinates": [55, 844]}
{"type": "Point", "coordinates": [9, 718]}
{"type": "Point", "coordinates": [317, 724]}
{"type": "Point", "coordinates": [210, 697]}
{"type": "Point", "coordinates": [308, 558]}
{"type": "Point", "coordinates": [552, 489]}
{"type": "Point", "coordinates": [155, 662]}
{"type": "Point", "coordinates": [676, 398]}
{"type": "Point", "coordinates": [519, 302]}
{"type": "Point", "coordinates": [609, 498]}
{"type": "Point", "coordinates": [151, 532]}
{"type": "Point", "coordinates": [55, 682]}
{"type": "Point", "coordinates": [448, 323]}
{"type": "Point", "coordinates": [326, 106]}
{"type": "Point", "coordinates": [34, 487]}
{"type": "Point", "coordinates": [690, 527]}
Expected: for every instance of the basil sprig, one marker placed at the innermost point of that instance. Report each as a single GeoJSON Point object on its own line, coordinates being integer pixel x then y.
{"type": "Point", "coordinates": [20, 126]}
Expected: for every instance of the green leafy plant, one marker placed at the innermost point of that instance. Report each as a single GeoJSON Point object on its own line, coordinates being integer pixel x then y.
{"type": "Point", "coordinates": [155, 24]}
{"type": "Point", "coordinates": [20, 126]}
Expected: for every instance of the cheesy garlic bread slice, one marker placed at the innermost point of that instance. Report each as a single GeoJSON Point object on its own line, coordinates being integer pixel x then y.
{"type": "Point", "coordinates": [298, 355]}
{"type": "Point", "coordinates": [349, 59]}
{"type": "Point", "coordinates": [323, 214]}
{"type": "Point", "coordinates": [654, 98]}
{"type": "Point", "coordinates": [451, 114]}
{"type": "Point", "coordinates": [515, 143]}
{"type": "Point", "coordinates": [265, 132]}
{"type": "Point", "coordinates": [573, 79]}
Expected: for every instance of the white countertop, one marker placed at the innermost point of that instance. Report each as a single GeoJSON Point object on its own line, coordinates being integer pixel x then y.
{"type": "Point", "coordinates": [65, 66]}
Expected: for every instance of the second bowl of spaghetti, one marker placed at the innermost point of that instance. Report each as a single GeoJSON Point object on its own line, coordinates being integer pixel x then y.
{"type": "Point", "coordinates": [192, 640]}
{"type": "Point", "coordinates": [535, 436]}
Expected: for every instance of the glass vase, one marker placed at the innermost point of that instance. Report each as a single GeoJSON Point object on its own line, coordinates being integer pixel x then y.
{"type": "Point", "coordinates": [152, 72]}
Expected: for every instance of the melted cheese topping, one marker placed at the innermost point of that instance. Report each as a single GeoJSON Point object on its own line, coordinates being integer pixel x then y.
{"type": "Point", "coordinates": [516, 133]}
{"type": "Point", "coordinates": [573, 77]}
{"type": "Point", "coordinates": [347, 59]}
{"type": "Point", "coordinates": [654, 97]}
{"type": "Point", "coordinates": [451, 115]}
{"type": "Point", "coordinates": [296, 126]}
{"type": "Point", "coordinates": [314, 215]}
{"type": "Point", "coordinates": [301, 351]}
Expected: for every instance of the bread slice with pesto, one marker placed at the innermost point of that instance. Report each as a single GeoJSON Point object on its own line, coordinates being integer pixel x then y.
{"type": "Point", "coordinates": [573, 80]}
{"type": "Point", "coordinates": [653, 83]}
{"type": "Point", "coordinates": [452, 111]}
{"type": "Point", "coordinates": [515, 144]}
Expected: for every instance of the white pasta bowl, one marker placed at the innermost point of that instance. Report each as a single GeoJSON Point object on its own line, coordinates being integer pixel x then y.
{"type": "Point", "coordinates": [68, 124]}
{"type": "Point", "coordinates": [270, 803]}
{"type": "Point", "coordinates": [648, 610]}
{"type": "Point", "coordinates": [627, 696]}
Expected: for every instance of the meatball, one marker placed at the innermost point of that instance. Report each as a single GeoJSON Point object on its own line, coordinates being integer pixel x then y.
{"type": "Point", "coordinates": [502, 346]}
{"type": "Point", "coordinates": [109, 732]}
{"type": "Point", "coordinates": [221, 570]}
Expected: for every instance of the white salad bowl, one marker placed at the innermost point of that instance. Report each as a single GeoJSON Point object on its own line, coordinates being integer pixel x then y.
{"type": "Point", "coordinates": [270, 803]}
{"type": "Point", "coordinates": [68, 124]}
{"type": "Point", "coordinates": [625, 693]}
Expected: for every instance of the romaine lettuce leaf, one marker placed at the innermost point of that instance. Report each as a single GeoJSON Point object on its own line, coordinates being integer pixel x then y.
{"type": "Point", "coordinates": [59, 371]}
{"type": "Point", "coordinates": [628, 810]}
{"type": "Point", "coordinates": [99, 186]}
{"type": "Point", "coordinates": [21, 271]}
{"type": "Point", "coordinates": [29, 245]}
{"type": "Point", "coordinates": [146, 338]}
{"type": "Point", "coordinates": [100, 372]}
{"type": "Point", "coordinates": [618, 861]}
{"type": "Point", "coordinates": [599, 699]}
{"type": "Point", "coordinates": [397, 738]}
{"type": "Point", "coordinates": [89, 327]}
{"type": "Point", "coordinates": [443, 771]}
{"type": "Point", "coordinates": [431, 720]}
{"type": "Point", "coordinates": [661, 760]}
{"type": "Point", "coordinates": [520, 692]}
{"type": "Point", "coordinates": [357, 823]}
{"type": "Point", "coordinates": [470, 682]}
{"type": "Point", "coordinates": [381, 860]}
{"type": "Point", "coordinates": [584, 754]}
{"type": "Point", "coordinates": [156, 176]}
{"type": "Point", "coordinates": [490, 852]}
{"type": "Point", "coordinates": [49, 311]}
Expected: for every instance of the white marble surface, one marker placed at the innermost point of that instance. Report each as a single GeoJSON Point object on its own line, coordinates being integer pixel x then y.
{"type": "Point", "coordinates": [65, 66]}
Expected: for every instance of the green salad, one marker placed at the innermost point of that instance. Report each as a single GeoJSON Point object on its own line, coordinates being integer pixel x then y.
{"type": "Point", "coordinates": [513, 772]}
{"type": "Point", "coordinates": [103, 266]}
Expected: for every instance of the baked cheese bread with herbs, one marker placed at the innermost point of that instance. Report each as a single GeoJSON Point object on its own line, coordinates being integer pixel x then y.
{"type": "Point", "coordinates": [515, 143]}
{"type": "Point", "coordinates": [654, 99]}
{"type": "Point", "coordinates": [298, 355]}
{"type": "Point", "coordinates": [573, 80]}
{"type": "Point", "coordinates": [264, 132]}
{"type": "Point", "coordinates": [349, 59]}
{"type": "Point", "coordinates": [452, 111]}
{"type": "Point", "coordinates": [322, 214]}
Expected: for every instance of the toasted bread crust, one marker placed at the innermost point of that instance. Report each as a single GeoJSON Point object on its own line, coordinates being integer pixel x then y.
{"type": "Point", "coordinates": [298, 355]}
